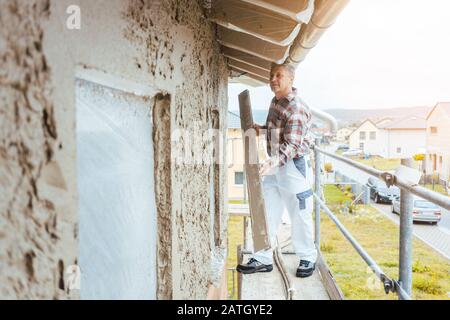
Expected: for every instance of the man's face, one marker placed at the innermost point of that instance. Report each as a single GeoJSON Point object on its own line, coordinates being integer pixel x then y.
{"type": "Point", "coordinates": [280, 81]}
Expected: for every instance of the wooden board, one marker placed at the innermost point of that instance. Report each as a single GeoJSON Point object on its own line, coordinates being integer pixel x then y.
{"type": "Point", "coordinates": [255, 195]}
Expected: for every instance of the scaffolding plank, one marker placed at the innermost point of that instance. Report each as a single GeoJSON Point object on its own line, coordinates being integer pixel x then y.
{"type": "Point", "coordinates": [256, 200]}
{"type": "Point", "coordinates": [262, 285]}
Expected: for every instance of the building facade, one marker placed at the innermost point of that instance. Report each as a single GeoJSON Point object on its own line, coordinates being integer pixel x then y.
{"type": "Point", "coordinates": [438, 141]}
{"type": "Point", "coordinates": [101, 95]}
{"type": "Point", "coordinates": [343, 134]}
{"type": "Point", "coordinates": [391, 138]}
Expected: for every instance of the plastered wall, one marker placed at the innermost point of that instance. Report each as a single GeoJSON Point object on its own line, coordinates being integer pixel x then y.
{"type": "Point", "coordinates": [147, 47]}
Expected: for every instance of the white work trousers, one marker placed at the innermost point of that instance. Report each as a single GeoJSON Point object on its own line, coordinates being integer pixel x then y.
{"type": "Point", "coordinates": [290, 187]}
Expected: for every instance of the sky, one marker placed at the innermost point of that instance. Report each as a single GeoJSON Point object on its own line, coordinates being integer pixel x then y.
{"type": "Point", "coordinates": [378, 54]}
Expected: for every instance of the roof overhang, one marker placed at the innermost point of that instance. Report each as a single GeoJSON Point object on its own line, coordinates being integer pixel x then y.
{"type": "Point", "coordinates": [255, 33]}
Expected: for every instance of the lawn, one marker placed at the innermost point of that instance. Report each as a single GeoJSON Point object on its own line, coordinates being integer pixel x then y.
{"type": "Point", "coordinates": [235, 238]}
{"type": "Point", "coordinates": [380, 238]}
{"type": "Point", "coordinates": [438, 188]}
{"type": "Point", "coordinates": [379, 163]}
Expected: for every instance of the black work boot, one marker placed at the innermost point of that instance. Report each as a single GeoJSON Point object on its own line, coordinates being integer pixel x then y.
{"type": "Point", "coordinates": [253, 266]}
{"type": "Point", "coordinates": [305, 269]}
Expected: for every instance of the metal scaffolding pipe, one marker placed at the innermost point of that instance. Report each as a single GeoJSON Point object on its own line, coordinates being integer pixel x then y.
{"type": "Point", "coordinates": [325, 117]}
{"type": "Point", "coordinates": [436, 198]}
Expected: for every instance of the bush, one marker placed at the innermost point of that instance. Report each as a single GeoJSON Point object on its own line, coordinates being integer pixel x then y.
{"type": "Point", "coordinates": [390, 264]}
{"type": "Point", "coordinates": [327, 247]}
{"type": "Point", "coordinates": [352, 208]}
{"type": "Point", "coordinates": [427, 285]}
{"type": "Point", "coordinates": [418, 267]}
{"type": "Point", "coordinates": [328, 167]}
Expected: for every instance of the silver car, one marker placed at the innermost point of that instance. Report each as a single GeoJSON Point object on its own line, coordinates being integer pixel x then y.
{"type": "Point", "coordinates": [423, 210]}
{"type": "Point", "coordinates": [352, 152]}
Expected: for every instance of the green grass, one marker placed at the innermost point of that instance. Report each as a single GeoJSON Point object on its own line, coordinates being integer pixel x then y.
{"type": "Point", "coordinates": [380, 238]}
{"type": "Point", "coordinates": [335, 195]}
{"type": "Point", "coordinates": [381, 163]}
{"type": "Point", "coordinates": [235, 238]}
{"type": "Point", "coordinates": [437, 188]}
{"type": "Point", "coordinates": [236, 201]}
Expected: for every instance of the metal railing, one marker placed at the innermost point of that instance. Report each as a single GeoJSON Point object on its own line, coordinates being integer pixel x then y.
{"type": "Point", "coordinates": [403, 286]}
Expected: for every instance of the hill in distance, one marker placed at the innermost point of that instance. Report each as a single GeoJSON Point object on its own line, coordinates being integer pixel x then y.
{"type": "Point", "coordinates": [352, 116]}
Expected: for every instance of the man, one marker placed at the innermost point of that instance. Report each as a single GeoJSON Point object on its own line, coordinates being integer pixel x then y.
{"type": "Point", "coordinates": [287, 174]}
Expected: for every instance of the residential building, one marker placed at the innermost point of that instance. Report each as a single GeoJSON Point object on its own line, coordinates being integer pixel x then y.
{"type": "Point", "coordinates": [404, 137]}
{"type": "Point", "coordinates": [235, 158]}
{"type": "Point", "coordinates": [438, 141]}
{"type": "Point", "coordinates": [235, 153]}
{"type": "Point", "coordinates": [367, 137]}
{"type": "Point", "coordinates": [343, 134]}
{"type": "Point", "coordinates": [390, 138]}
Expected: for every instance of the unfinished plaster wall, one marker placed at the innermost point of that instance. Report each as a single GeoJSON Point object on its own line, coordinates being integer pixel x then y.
{"type": "Point", "coordinates": [37, 226]}
{"type": "Point", "coordinates": [156, 47]}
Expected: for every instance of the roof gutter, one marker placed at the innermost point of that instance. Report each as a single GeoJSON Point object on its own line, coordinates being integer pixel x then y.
{"type": "Point", "coordinates": [325, 14]}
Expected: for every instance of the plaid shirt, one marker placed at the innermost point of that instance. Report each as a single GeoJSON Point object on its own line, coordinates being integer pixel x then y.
{"type": "Point", "coordinates": [288, 129]}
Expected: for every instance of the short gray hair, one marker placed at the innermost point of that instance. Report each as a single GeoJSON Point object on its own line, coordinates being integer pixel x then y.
{"type": "Point", "coordinates": [289, 68]}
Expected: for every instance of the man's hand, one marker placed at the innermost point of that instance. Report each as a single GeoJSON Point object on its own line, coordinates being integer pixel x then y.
{"type": "Point", "coordinates": [265, 168]}
{"type": "Point", "coordinates": [258, 128]}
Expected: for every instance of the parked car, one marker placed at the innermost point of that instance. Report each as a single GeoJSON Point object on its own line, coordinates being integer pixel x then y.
{"type": "Point", "coordinates": [380, 193]}
{"type": "Point", "coordinates": [352, 152]}
{"type": "Point", "coordinates": [423, 210]}
{"type": "Point", "coordinates": [342, 147]}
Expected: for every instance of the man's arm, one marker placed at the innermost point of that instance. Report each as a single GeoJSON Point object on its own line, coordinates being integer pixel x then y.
{"type": "Point", "coordinates": [294, 134]}
{"type": "Point", "coordinates": [258, 128]}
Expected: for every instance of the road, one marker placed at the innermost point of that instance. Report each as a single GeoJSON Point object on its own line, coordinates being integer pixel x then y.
{"type": "Point", "coordinates": [431, 235]}
{"type": "Point", "coordinates": [437, 237]}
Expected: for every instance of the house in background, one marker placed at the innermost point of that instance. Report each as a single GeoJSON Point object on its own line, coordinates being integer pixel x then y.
{"type": "Point", "coordinates": [235, 158]}
{"type": "Point", "coordinates": [343, 134]}
{"type": "Point", "coordinates": [403, 137]}
{"type": "Point", "coordinates": [438, 141]}
{"type": "Point", "coordinates": [390, 137]}
{"type": "Point", "coordinates": [235, 153]}
{"type": "Point", "coordinates": [367, 137]}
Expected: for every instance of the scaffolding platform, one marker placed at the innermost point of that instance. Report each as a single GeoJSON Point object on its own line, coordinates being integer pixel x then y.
{"type": "Point", "coordinates": [281, 283]}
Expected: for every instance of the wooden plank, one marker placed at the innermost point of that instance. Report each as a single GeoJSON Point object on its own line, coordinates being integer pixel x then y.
{"type": "Point", "coordinates": [240, 258]}
{"type": "Point", "coordinates": [310, 288]}
{"type": "Point", "coordinates": [262, 285]}
{"type": "Point", "coordinates": [328, 280]}
{"type": "Point", "coordinates": [255, 195]}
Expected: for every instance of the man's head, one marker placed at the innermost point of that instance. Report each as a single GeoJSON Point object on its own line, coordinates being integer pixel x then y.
{"type": "Point", "coordinates": [281, 79]}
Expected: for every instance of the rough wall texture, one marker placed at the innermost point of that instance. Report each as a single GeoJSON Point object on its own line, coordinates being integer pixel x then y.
{"type": "Point", "coordinates": [164, 45]}
{"type": "Point", "coordinates": [163, 195]}
{"type": "Point", "coordinates": [34, 239]}
{"type": "Point", "coordinates": [191, 47]}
